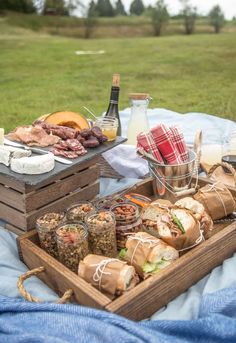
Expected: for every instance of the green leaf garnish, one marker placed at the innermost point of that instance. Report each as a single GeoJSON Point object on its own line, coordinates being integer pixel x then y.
{"type": "Point", "coordinates": [122, 253]}
{"type": "Point", "coordinates": [149, 267]}
{"type": "Point", "coordinates": [178, 223]}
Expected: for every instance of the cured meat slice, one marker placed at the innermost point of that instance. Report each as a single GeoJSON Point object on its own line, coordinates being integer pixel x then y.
{"type": "Point", "coordinates": [68, 154]}
{"type": "Point", "coordinates": [33, 135]}
{"type": "Point", "coordinates": [74, 144]}
{"type": "Point", "coordinates": [92, 142]}
{"type": "Point", "coordinates": [63, 132]}
{"type": "Point", "coordinates": [62, 146]}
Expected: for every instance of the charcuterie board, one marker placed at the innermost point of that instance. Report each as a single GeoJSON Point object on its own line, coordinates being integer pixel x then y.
{"type": "Point", "coordinates": [149, 295]}
{"type": "Point", "coordinates": [25, 197]}
{"type": "Point", "coordinates": [39, 180]}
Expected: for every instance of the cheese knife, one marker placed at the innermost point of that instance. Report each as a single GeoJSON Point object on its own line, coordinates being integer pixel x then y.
{"type": "Point", "coordinates": [36, 151]}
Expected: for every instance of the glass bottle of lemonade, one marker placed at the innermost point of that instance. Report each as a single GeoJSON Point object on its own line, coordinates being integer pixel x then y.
{"type": "Point", "coordinates": [138, 120]}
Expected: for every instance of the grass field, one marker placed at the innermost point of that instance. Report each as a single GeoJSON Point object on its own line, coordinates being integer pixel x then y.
{"type": "Point", "coordinates": [41, 73]}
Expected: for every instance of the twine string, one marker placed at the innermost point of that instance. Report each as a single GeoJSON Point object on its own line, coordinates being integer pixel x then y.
{"type": "Point", "coordinates": [214, 187]}
{"type": "Point", "coordinates": [141, 240]}
{"type": "Point", "coordinates": [100, 270]}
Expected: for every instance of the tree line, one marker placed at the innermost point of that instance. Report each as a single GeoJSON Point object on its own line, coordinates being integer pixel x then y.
{"type": "Point", "coordinates": [105, 8]}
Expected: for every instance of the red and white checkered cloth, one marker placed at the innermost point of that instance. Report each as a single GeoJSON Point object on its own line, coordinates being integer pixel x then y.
{"type": "Point", "coordinates": [178, 139]}
{"type": "Point", "coordinates": [145, 141]}
{"type": "Point", "coordinates": [162, 137]}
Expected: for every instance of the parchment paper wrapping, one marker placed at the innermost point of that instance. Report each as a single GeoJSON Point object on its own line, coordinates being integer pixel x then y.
{"type": "Point", "coordinates": [87, 269]}
{"type": "Point", "coordinates": [217, 200]}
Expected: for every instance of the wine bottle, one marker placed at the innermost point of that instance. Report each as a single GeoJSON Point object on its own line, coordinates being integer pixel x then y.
{"type": "Point", "coordinates": [113, 110]}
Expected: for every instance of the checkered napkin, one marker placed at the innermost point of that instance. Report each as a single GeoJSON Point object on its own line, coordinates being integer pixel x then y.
{"type": "Point", "coordinates": [178, 139]}
{"type": "Point", "coordinates": [165, 141]}
{"type": "Point", "coordinates": [145, 141]}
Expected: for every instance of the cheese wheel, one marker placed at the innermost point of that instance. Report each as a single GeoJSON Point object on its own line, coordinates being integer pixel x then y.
{"type": "Point", "coordinates": [9, 152]}
{"type": "Point", "coordinates": [33, 165]}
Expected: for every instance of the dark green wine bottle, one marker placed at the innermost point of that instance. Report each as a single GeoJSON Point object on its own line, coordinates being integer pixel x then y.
{"type": "Point", "coordinates": [113, 109]}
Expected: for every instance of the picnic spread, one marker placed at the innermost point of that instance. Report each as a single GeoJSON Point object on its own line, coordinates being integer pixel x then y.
{"type": "Point", "coordinates": [111, 252]}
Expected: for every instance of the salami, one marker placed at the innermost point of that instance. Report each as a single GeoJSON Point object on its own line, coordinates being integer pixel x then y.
{"type": "Point", "coordinates": [68, 154]}
{"type": "Point", "coordinates": [73, 144]}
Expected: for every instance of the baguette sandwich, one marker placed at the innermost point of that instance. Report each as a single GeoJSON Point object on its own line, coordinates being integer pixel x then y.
{"type": "Point", "coordinates": [175, 226]}
{"type": "Point", "coordinates": [199, 213]}
{"type": "Point", "coordinates": [148, 254]}
{"type": "Point", "coordinates": [108, 274]}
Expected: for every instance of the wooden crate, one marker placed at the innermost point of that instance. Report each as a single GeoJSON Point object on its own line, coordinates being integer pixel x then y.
{"type": "Point", "coordinates": [23, 198]}
{"type": "Point", "coordinates": [21, 203]}
{"type": "Point", "coordinates": [152, 293]}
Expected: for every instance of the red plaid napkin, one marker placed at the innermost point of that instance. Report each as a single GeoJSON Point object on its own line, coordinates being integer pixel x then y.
{"type": "Point", "coordinates": [162, 137]}
{"type": "Point", "coordinates": [178, 139]}
{"type": "Point", "coordinates": [145, 141]}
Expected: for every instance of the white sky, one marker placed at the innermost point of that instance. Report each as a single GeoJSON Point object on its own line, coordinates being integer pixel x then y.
{"type": "Point", "coordinates": [203, 6]}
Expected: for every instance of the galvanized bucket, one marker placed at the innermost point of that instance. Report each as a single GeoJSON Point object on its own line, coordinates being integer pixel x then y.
{"type": "Point", "coordinates": [175, 179]}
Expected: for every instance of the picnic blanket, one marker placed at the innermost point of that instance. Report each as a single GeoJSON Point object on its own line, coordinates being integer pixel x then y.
{"type": "Point", "coordinates": [49, 323]}
{"type": "Point", "coordinates": [204, 313]}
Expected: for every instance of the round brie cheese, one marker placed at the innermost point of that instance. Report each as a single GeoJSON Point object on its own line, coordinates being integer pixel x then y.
{"type": "Point", "coordinates": [33, 165]}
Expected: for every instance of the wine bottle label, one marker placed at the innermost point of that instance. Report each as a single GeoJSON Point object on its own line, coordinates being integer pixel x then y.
{"type": "Point", "coordinates": [115, 102]}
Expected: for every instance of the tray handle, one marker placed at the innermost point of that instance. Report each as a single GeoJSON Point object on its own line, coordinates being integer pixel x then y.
{"type": "Point", "coordinates": [66, 296]}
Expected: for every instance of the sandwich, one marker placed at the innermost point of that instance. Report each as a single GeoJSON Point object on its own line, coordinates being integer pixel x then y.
{"type": "Point", "coordinates": [148, 254]}
{"type": "Point", "coordinates": [109, 275]}
{"type": "Point", "coordinates": [175, 226]}
{"type": "Point", "coordinates": [199, 212]}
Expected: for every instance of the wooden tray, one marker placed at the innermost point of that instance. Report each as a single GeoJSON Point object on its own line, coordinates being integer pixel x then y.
{"type": "Point", "coordinates": [23, 198]}
{"type": "Point", "coordinates": [151, 294]}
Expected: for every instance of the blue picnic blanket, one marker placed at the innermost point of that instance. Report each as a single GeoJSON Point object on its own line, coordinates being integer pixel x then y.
{"type": "Point", "coordinates": [206, 312]}
{"type": "Point", "coordinates": [49, 323]}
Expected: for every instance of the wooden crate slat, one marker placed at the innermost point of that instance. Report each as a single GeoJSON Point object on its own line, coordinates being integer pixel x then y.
{"type": "Point", "coordinates": [155, 292]}
{"type": "Point", "coordinates": [12, 216]}
{"type": "Point", "coordinates": [86, 193]}
{"type": "Point", "coordinates": [18, 185]}
{"type": "Point", "coordinates": [59, 189]}
{"type": "Point", "coordinates": [67, 172]}
{"type": "Point", "coordinates": [61, 278]}
{"type": "Point", "coordinates": [13, 198]}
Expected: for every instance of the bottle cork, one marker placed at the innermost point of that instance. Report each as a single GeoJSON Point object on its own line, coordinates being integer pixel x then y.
{"type": "Point", "coordinates": [116, 80]}
{"type": "Point", "coordinates": [139, 96]}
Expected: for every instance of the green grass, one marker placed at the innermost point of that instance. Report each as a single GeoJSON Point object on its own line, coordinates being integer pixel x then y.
{"type": "Point", "coordinates": [41, 74]}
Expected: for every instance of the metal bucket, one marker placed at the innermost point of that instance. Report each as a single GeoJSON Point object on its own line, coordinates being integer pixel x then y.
{"type": "Point", "coordinates": [175, 179]}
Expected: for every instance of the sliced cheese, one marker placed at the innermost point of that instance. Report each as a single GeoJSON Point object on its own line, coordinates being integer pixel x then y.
{"type": "Point", "coordinates": [33, 165]}
{"type": "Point", "coordinates": [8, 152]}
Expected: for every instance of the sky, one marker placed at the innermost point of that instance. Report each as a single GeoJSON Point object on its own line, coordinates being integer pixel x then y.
{"type": "Point", "coordinates": [203, 6]}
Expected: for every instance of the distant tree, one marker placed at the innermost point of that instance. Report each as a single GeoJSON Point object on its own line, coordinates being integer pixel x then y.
{"type": "Point", "coordinates": [137, 7]}
{"type": "Point", "coordinates": [217, 18]}
{"type": "Point", "coordinates": [92, 9]}
{"type": "Point", "coordinates": [58, 7]}
{"type": "Point", "coordinates": [104, 8]}
{"type": "Point", "coordinates": [24, 6]}
{"type": "Point", "coordinates": [190, 15]}
{"type": "Point", "coordinates": [90, 20]}
{"type": "Point", "coordinates": [160, 17]}
{"type": "Point", "coordinates": [119, 8]}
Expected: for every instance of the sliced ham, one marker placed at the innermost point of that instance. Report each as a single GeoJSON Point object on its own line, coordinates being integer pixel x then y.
{"type": "Point", "coordinates": [33, 135]}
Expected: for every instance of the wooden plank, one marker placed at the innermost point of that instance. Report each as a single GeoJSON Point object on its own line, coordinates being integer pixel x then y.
{"type": "Point", "coordinates": [12, 216]}
{"type": "Point", "coordinates": [61, 188]}
{"type": "Point", "coordinates": [86, 193]}
{"type": "Point", "coordinates": [10, 182]}
{"type": "Point", "coordinates": [157, 291]}
{"type": "Point", "coordinates": [75, 168]}
{"type": "Point", "coordinates": [11, 197]}
{"type": "Point", "coordinates": [60, 278]}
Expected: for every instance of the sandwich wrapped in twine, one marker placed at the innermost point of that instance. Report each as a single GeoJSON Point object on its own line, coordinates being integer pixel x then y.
{"type": "Point", "coordinates": [217, 200]}
{"type": "Point", "coordinates": [103, 273]}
